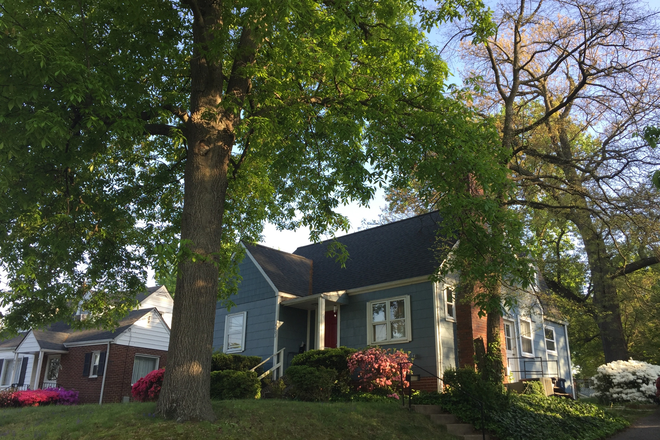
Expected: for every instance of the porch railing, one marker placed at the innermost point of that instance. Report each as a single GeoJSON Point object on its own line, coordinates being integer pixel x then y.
{"type": "Point", "coordinates": [541, 367]}
{"type": "Point", "coordinates": [278, 365]}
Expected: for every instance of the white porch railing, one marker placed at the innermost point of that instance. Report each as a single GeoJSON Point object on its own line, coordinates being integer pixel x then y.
{"type": "Point", "coordinates": [278, 365]}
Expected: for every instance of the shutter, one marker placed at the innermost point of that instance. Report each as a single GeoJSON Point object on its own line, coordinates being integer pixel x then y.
{"type": "Point", "coordinates": [2, 361]}
{"type": "Point", "coordinates": [88, 361]}
{"type": "Point", "coordinates": [21, 377]}
{"type": "Point", "coordinates": [101, 363]}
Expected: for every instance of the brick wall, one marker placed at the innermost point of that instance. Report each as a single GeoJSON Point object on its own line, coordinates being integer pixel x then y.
{"type": "Point", "coordinates": [119, 372]}
{"type": "Point", "coordinates": [469, 326]}
{"type": "Point", "coordinates": [425, 384]}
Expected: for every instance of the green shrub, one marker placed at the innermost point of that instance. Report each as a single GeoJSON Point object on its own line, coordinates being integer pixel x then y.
{"type": "Point", "coordinates": [330, 358]}
{"type": "Point", "coordinates": [237, 362]}
{"type": "Point", "coordinates": [526, 416]}
{"type": "Point", "coordinates": [334, 358]}
{"type": "Point", "coordinates": [426, 398]}
{"type": "Point", "coordinates": [309, 383]}
{"type": "Point", "coordinates": [232, 384]}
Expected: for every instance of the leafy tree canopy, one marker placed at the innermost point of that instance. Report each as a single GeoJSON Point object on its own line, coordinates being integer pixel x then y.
{"type": "Point", "coordinates": [160, 133]}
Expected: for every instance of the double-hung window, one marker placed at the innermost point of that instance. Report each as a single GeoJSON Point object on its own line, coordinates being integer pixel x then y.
{"type": "Point", "coordinates": [450, 301]}
{"type": "Point", "coordinates": [235, 332]}
{"type": "Point", "coordinates": [389, 321]}
{"type": "Point", "coordinates": [143, 364]}
{"type": "Point", "coordinates": [550, 341]}
{"type": "Point", "coordinates": [526, 341]}
{"type": "Point", "coordinates": [94, 364]}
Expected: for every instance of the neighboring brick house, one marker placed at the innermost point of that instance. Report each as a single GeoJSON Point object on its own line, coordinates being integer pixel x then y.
{"type": "Point", "coordinates": [384, 296]}
{"type": "Point", "coordinates": [100, 364]}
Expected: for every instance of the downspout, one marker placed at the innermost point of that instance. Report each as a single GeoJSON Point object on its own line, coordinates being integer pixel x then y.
{"type": "Point", "coordinates": [105, 373]}
{"type": "Point", "coordinates": [570, 362]}
{"type": "Point", "coordinates": [438, 339]}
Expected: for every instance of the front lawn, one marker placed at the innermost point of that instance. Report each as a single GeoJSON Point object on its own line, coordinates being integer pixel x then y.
{"type": "Point", "coordinates": [237, 419]}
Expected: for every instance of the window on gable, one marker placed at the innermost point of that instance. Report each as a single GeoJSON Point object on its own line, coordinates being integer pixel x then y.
{"type": "Point", "coordinates": [550, 341]}
{"type": "Point", "coordinates": [450, 301]}
{"type": "Point", "coordinates": [142, 365]}
{"type": "Point", "coordinates": [389, 320]}
{"type": "Point", "coordinates": [526, 341]}
{"type": "Point", "coordinates": [235, 332]}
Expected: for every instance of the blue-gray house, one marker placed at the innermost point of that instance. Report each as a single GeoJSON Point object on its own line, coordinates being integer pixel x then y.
{"type": "Point", "coordinates": [287, 303]}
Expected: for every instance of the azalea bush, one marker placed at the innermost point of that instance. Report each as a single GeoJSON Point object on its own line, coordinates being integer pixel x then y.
{"type": "Point", "coordinates": [626, 381]}
{"type": "Point", "coordinates": [379, 370]}
{"type": "Point", "coordinates": [148, 388]}
{"type": "Point", "coordinates": [50, 396]}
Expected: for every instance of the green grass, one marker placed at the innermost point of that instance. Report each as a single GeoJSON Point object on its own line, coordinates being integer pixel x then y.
{"type": "Point", "coordinates": [238, 419]}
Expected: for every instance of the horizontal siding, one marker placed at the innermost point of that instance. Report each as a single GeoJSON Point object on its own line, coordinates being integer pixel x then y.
{"type": "Point", "coordinates": [163, 303]}
{"type": "Point", "coordinates": [353, 325]}
{"type": "Point", "coordinates": [145, 334]}
{"type": "Point", "coordinates": [256, 297]}
{"type": "Point", "coordinates": [29, 344]}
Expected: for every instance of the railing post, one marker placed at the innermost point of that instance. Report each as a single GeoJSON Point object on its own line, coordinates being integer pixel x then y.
{"type": "Point", "coordinates": [403, 391]}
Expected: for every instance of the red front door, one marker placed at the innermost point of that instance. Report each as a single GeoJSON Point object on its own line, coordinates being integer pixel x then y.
{"type": "Point", "coordinates": [330, 329]}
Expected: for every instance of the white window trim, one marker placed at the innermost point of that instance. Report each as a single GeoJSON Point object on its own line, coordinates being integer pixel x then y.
{"type": "Point", "coordinates": [448, 316]}
{"type": "Point", "coordinates": [95, 355]}
{"type": "Point", "coordinates": [145, 356]}
{"type": "Point", "coordinates": [554, 339]}
{"type": "Point", "coordinates": [531, 337]}
{"type": "Point", "coordinates": [406, 305]}
{"type": "Point", "coordinates": [226, 336]}
{"type": "Point", "coordinates": [11, 374]}
{"type": "Point", "coordinates": [511, 336]}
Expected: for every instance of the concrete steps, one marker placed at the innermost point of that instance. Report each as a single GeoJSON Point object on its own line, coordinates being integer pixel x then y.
{"type": "Point", "coordinates": [464, 431]}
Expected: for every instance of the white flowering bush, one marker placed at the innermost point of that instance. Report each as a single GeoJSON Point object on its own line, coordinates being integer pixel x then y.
{"type": "Point", "coordinates": [626, 381]}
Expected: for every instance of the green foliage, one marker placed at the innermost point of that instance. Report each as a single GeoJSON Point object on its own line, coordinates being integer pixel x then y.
{"type": "Point", "coordinates": [223, 361]}
{"type": "Point", "coordinates": [334, 358]}
{"type": "Point", "coordinates": [426, 398]}
{"type": "Point", "coordinates": [534, 387]}
{"type": "Point", "coordinates": [309, 383]}
{"type": "Point", "coordinates": [466, 390]}
{"type": "Point", "coordinates": [532, 416]}
{"type": "Point", "coordinates": [231, 384]}
{"type": "Point", "coordinates": [330, 358]}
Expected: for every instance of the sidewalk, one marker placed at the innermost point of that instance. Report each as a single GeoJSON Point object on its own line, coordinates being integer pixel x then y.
{"type": "Point", "coordinates": [647, 428]}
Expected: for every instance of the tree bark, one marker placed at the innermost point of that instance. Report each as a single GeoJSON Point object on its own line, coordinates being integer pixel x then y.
{"type": "Point", "coordinates": [209, 132]}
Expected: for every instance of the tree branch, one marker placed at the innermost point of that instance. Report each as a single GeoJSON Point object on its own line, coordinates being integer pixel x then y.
{"type": "Point", "coordinates": [635, 266]}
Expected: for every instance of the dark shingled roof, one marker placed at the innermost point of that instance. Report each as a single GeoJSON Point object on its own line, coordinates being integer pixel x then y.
{"type": "Point", "coordinates": [13, 342]}
{"type": "Point", "coordinates": [290, 273]}
{"type": "Point", "coordinates": [55, 336]}
{"type": "Point", "coordinates": [396, 251]}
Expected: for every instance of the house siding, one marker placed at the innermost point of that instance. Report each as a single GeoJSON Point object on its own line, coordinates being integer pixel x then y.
{"type": "Point", "coordinates": [353, 330]}
{"type": "Point", "coordinates": [259, 300]}
{"type": "Point", "coordinates": [292, 332]}
{"type": "Point", "coordinates": [119, 371]}
{"type": "Point", "coordinates": [71, 373]}
{"type": "Point", "coordinates": [161, 300]}
{"type": "Point", "coordinates": [8, 356]}
{"type": "Point", "coordinates": [146, 333]}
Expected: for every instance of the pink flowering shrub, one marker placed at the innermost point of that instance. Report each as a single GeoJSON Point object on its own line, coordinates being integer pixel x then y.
{"type": "Point", "coordinates": [50, 396]}
{"type": "Point", "coordinates": [148, 388]}
{"type": "Point", "coordinates": [379, 370]}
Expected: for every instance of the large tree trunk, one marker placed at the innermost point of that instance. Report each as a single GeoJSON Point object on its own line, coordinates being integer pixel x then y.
{"type": "Point", "coordinates": [606, 300]}
{"type": "Point", "coordinates": [210, 137]}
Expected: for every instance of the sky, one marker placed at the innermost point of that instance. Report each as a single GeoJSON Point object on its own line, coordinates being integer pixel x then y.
{"type": "Point", "coordinates": [288, 241]}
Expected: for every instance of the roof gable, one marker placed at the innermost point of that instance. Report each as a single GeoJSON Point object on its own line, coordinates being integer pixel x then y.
{"type": "Point", "coordinates": [396, 251]}
{"type": "Point", "coordinates": [288, 272]}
